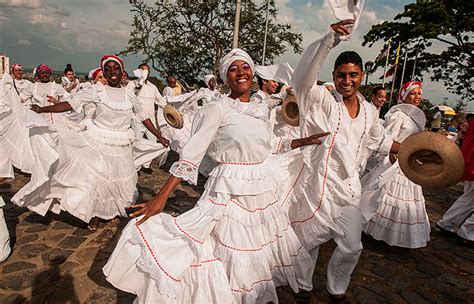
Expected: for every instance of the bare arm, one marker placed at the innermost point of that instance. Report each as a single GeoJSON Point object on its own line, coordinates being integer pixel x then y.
{"type": "Point", "coordinates": [310, 140]}
{"type": "Point", "coordinates": [56, 108]}
{"type": "Point", "coordinates": [158, 203]}
{"type": "Point", "coordinates": [149, 125]}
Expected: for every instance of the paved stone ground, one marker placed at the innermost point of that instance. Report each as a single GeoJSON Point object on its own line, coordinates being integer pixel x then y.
{"type": "Point", "coordinates": [56, 260]}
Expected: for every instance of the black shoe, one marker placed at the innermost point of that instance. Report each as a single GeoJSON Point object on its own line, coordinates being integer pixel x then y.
{"type": "Point", "coordinates": [339, 299]}
{"type": "Point", "coordinates": [147, 170]}
{"type": "Point", "coordinates": [465, 242]}
{"type": "Point", "coordinates": [302, 297]}
{"type": "Point", "coordinates": [444, 230]}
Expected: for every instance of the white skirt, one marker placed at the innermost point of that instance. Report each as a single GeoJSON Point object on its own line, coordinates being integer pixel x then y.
{"type": "Point", "coordinates": [227, 249]}
{"type": "Point", "coordinates": [400, 217]}
{"type": "Point", "coordinates": [77, 174]}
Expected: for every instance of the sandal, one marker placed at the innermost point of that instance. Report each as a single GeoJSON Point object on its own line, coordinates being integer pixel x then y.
{"type": "Point", "coordinates": [93, 224]}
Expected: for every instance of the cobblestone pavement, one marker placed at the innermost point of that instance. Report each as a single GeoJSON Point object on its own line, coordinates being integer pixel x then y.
{"type": "Point", "coordinates": [56, 260]}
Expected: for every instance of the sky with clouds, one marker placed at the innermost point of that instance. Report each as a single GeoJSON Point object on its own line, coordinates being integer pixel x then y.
{"type": "Point", "coordinates": [57, 32]}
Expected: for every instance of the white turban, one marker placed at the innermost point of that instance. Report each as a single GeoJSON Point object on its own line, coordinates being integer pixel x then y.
{"type": "Point", "coordinates": [277, 72]}
{"type": "Point", "coordinates": [208, 78]}
{"type": "Point", "coordinates": [235, 54]}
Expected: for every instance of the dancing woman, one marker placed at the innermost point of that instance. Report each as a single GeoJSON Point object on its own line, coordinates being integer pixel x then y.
{"type": "Point", "coordinates": [236, 245]}
{"type": "Point", "coordinates": [90, 173]}
{"type": "Point", "coordinates": [393, 205]}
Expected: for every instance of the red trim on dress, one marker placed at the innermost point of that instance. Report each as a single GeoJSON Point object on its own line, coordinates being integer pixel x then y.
{"type": "Point", "coordinates": [185, 233]}
{"type": "Point", "coordinates": [403, 223]}
{"type": "Point", "coordinates": [154, 257]}
{"type": "Point", "coordinates": [257, 249]}
{"type": "Point", "coordinates": [404, 200]}
{"type": "Point", "coordinates": [293, 186]}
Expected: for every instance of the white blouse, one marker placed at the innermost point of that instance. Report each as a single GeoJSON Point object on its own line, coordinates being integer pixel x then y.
{"type": "Point", "coordinates": [115, 108]}
{"type": "Point", "coordinates": [235, 135]}
{"type": "Point", "coordinates": [404, 120]}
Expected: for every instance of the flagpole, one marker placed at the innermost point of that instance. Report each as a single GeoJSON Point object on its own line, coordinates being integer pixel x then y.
{"type": "Point", "coordinates": [403, 70]}
{"type": "Point", "coordinates": [386, 63]}
{"type": "Point", "coordinates": [395, 73]}
{"type": "Point", "coordinates": [393, 85]}
{"type": "Point", "coordinates": [414, 66]}
{"type": "Point", "coordinates": [266, 32]}
{"type": "Point", "coordinates": [235, 41]}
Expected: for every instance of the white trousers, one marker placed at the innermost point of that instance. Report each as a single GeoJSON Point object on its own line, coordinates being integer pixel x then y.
{"type": "Point", "coordinates": [4, 236]}
{"type": "Point", "coordinates": [345, 257]}
{"type": "Point", "coordinates": [460, 216]}
{"type": "Point", "coordinates": [141, 132]}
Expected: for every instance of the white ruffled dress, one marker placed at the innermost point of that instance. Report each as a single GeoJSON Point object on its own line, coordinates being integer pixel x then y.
{"type": "Point", "coordinates": [14, 134]}
{"type": "Point", "coordinates": [392, 205]}
{"type": "Point", "coordinates": [91, 172]}
{"type": "Point", "coordinates": [236, 245]}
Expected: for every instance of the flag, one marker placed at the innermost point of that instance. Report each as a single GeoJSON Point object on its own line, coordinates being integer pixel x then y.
{"type": "Point", "coordinates": [382, 57]}
{"type": "Point", "coordinates": [398, 53]}
{"type": "Point", "coordinates": [389, 72]}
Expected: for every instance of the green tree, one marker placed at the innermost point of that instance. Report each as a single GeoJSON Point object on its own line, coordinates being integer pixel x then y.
{"type": "Point", "coordinates": [188, 38]}
{"type": "Point", "coordinates": [450, 22]}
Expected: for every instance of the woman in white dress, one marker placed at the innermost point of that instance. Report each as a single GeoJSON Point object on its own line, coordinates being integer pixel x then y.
{"type": "Point", "coordinates": [69, 81]}
{"type": "Point", "coordinates": [236, 245]}
{"type": "Point", "coordinates": [90, 173]}
{"type": "Point", "coordinates": [393, 205]}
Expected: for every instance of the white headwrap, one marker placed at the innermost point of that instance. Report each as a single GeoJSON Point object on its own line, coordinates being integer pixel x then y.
{"type": "Point", "coordinates": [277, 72]}
{"type": "Point", "coordinates": [208, 78]}
{"type": "Point", "coordinates": [407, 88]}
{"type": "Point", "coordinates": [235, 54]}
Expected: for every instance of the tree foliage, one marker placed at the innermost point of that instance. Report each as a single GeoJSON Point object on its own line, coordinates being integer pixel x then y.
{"type": "Point", "coordinates": [188, 38]}
{"type": "Point", "coordinates": [450, 22]}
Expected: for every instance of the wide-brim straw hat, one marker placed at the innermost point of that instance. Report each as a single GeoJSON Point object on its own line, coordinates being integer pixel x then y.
{"type": "Point", "coordinates": [290, 111]}
{"type": "Point", "coordinates": [173, 117]}
{"type": "Point", "coordinates": [431, 160]}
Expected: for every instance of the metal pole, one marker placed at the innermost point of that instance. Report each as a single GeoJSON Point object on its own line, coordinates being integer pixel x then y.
{"type": "Point", "coordinates": [386, 63]}
{"type": "Point", "coordinates": [235, 42]}
{"type": "Point", "coordinates": [266, 32]}
{"type": "Point", "coordinates": [393, 86]}
{"type": "Point", "coordinates": [414, 66]}
{"type": "Point", "coordinates": [403, 70]}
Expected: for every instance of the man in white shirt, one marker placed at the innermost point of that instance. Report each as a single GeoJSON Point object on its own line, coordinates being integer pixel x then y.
{"type": "Point", "coordinates": [173, 88]}
{"type": "Point", "coordinates": [149, 96]}
{"type": "Point", "coordinates": [326, 199]}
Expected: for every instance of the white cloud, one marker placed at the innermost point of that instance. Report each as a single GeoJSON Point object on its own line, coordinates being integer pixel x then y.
{"type": "Point", "coordinates": [20, 3]}
{"type": "Point", "coordinates": [24, 43]}
{"type": "Point", "coordinates": [41, 19]}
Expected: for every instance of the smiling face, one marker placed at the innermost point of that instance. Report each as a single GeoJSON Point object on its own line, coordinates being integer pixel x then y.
{"type": "Point", "coordinates": [239, 79]}
{"type": "Point", "coordinates": [414, 97]}
{"type": "Point", "coordinates": [212, 84]}
{"type": "Point", "coordinates": [44, 75]}
{"type": "Point", "coordinates": [347, 78]}
{"type": "Point", "coordinates": [113, 73]}
{"type": "Point", "coordinates": [100, 78]}
{"type": "Point", "coordinates": [270, 86]}
{"type": "Point", "coordinates": [17, 73]}
{"type": "Point", "coordinates": [379, 99]}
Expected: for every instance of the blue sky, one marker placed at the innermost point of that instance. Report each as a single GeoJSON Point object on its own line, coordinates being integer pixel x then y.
{"type": "Point", "coordinates": [57, 32]}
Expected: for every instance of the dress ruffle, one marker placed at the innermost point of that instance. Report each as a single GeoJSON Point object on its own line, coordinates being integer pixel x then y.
{"type": "Point", "coordinates": [211, 242]}
{"type": "Point", "coordinates": [401, 218]}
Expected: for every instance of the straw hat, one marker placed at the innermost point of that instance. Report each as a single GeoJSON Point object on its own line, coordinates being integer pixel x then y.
{"type": "Point", "coordinates": [173, 117]}
{"type": "Point", "coordinates": [431, 160]}
{"type": "Point", "coordinates": [290, 111]}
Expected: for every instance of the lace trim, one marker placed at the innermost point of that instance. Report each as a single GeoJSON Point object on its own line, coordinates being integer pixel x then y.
{"type": "Point", "coordinates": [126, 104]}
{"type": "Point", "coordinates": [257, 110]}
{"type": "Point", "coordinates": [186, 170]}
{"type": "Point", "coordinates": [282, 145]}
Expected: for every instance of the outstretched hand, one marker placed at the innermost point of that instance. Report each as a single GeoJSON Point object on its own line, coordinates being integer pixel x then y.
{"type": "Point", "coordinates": [315, 138]}
{"type": "Point", "coordinates": [343, 27]}
{"type": "Point", "coordinates": [149, 209]}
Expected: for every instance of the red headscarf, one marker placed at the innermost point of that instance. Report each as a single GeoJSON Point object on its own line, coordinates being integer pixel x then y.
{"type": "Point", "coordinates": [108, 58]}
{"type": "Point", "coordinates": [17, 65]}
{"type": "Point", "coordinates": [43, 67]}
{"type": "Point", "coordinates": [95, 73]}
{"type": "Point", "coordinates": [407, 88]}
